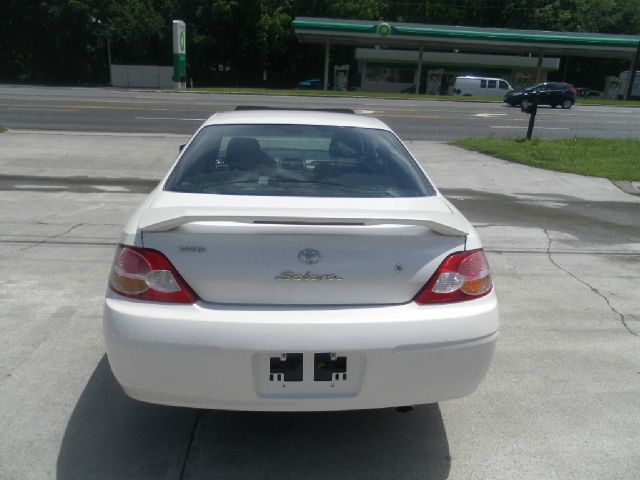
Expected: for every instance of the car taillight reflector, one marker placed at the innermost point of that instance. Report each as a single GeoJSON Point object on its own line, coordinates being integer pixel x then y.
{"type": "Point", "coordinates": [148, 275]}
{"type": "Point", "coordinates": [461, 276]}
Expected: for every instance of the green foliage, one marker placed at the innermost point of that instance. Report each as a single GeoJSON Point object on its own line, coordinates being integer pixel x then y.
{"type": "Point", "coordinates": [354, 9]}
{"type": "Point", "coordinates": [579, 15]}
{"type": "Point", "coordinates": [66, 40]}
{"type": "Point", "coordinates": [137, 27]}
{"type": "Point", "coordinates": [273, 31]}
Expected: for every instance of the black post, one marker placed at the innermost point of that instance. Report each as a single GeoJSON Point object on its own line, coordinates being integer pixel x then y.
{"type": "Point", "coordinates": [532, 110]}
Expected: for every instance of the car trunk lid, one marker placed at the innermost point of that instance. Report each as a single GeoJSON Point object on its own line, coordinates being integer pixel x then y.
{"type": "Point", "coordinates": [334, 252]}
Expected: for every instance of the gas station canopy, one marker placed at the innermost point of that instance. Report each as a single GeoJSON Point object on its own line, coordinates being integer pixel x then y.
{"type": "Point", "coordinates": [538, 43]}
{"type": "Point", "coordinates": [412, 35]}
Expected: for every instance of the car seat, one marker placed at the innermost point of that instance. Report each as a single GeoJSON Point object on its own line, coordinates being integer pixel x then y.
{"type": "Point", "coordinates": [347, 153]}
{"type": "Point", "coordinates": [346, 144]}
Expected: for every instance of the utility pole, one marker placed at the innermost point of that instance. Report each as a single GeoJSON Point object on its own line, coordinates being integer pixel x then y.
{"type": "Point", "coordinates": [539, 67]}
{"type": "Point", "coordinates": [632, 73]}
{"type": "Point", "coordinates": [109, 54]}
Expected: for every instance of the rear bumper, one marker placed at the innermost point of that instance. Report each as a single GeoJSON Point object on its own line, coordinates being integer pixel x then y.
{"type": "Point", "coordinates": [218, 357]}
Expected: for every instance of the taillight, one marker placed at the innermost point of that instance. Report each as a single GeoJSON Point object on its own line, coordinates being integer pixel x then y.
{"type": "Point", "coordinates": [461, 276]}
{"type": "Point", "coordinates": [573, 90]}
{"type": "Point", "coordinates": [148, 275]}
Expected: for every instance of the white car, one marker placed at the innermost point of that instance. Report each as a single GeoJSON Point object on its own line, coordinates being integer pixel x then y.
{"type": "Point", "coordinates": [298, 261]}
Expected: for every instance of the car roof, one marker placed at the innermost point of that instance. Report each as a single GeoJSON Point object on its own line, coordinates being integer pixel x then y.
{"type": "Point", "coordinates": [295, 117]}
{"type": "Point", "coordinates": [470, 77]}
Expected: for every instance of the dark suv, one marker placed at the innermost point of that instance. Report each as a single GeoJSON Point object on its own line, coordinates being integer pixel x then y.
{"type": "Point", "coordinates": [548, 93]}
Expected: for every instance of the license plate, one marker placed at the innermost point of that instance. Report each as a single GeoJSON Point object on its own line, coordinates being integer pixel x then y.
{"type": "Point", "coordinates": [295, 374]}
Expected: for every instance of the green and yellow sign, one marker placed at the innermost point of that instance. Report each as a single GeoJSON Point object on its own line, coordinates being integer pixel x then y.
{"type": "Point", "coordinates": [179, 52]}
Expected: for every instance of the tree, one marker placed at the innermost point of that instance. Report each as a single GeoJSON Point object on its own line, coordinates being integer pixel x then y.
{"type": "Point", "coordinates": [65, 40]}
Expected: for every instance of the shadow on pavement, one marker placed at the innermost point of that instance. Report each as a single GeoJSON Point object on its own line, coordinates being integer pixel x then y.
{"type": "Point", "coordinates": [110, 436]}
{"type": "Point", "coordinates": [366, 444]}
{"type": "Point", "coordinates": [588, 221]}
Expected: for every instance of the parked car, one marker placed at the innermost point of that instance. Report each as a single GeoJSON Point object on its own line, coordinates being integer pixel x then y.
{"type": "Point", "coordinates": [298, 261]}
{"type": "Point", "coordinates": [311, 84]}
{"type": "Point", "coordinates": [480, 86]}
{"type": "Point", "coordinates": [547, 93]}
{"type": "Point", "coordinates": [588, 93]}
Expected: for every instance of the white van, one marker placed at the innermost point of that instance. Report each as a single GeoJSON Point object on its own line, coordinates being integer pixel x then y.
{"type": "Point", "coordinates": [481, 87]}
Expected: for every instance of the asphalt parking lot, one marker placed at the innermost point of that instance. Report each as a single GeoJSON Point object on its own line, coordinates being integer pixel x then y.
{"type": "Point", "coordinates": [561, 401]}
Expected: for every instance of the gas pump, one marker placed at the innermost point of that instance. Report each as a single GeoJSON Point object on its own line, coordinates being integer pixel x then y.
{"type": "Point", "coordinates": [341, 77]}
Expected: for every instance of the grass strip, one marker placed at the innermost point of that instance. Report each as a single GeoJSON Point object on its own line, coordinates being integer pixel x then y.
{"type": "Point", "coordinates": [2, 128]}
{"type": "Point", "coordinates": [607, 102]}
{"type": "Point", "coordinates": [614, 159]}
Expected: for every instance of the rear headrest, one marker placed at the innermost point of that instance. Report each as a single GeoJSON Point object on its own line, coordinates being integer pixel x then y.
{"type": "Point", "coordinates": [242, 146]}
{"type": "Point", "coordinates": [346, 144]}
{"type": "Point", "coordinates": [244, 153]}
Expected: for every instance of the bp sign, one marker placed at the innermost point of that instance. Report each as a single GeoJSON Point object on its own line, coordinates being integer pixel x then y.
{"type": "Point", "coordinates": [384, 29]}
{"type": "Point", "coordinates": [179, 53]}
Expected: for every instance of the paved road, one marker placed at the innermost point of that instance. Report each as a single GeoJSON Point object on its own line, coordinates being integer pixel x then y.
{"type": "Point", "coordinates": [562, 400]}
{"type": "Point", "coordinates": [112, 110]}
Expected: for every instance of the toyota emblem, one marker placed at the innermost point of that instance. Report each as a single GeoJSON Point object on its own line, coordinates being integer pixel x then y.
{"type": "Point", "coordinates": [309, 256]}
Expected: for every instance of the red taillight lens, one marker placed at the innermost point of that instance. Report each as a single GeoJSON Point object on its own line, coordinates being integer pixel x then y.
{"type": "Point", "coordinates": [573, 90]}
{"type": "Point", "coordinates": [461, 276]}
{"type": "Point", "coordinates": [148, 275]}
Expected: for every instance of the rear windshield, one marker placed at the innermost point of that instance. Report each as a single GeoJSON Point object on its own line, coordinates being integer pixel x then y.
{"type": "Point", "coordinates": [297, 160]}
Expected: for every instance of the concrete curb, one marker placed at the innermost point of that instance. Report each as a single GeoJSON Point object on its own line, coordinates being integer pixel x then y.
{"type": "Point", "coordinates": [632, 188]}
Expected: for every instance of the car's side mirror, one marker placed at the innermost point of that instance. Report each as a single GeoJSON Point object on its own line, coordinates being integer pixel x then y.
{"type": "Point", "coordinates": [181, 147]}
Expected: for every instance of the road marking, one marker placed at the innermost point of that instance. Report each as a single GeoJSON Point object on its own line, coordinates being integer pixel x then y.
{"type": "Point", "coordinates": [14, 106]}
{"type": "Point", "coordinates": [365, 112]}
{"type": "Point", "coordinates": [489, 115]}
{"type": "Point", "coordinates": [418, 117]}
{"type": "Point", "coordinates": [110, 188]}
{"type": "Point", "coordinates": [43, 187]}
{"type": "Point", "coordinates": [99, 134]}
{"type": "Point", "coordinates": [589, 114]}
{"type": "Point", "coordinates": [418, 108]}
{"type": "Point", "coordinates": [536, 128]}
{"type": "Point", "coordinates": [128, 102]}
{"type": "Point", "coordinates": [172, 118]}
{"type": "Point", "coordinates": [125, 102]}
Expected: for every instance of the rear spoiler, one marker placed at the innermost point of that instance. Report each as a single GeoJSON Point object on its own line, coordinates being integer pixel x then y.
{"type": "Point", "coordinates": [170, 218]}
